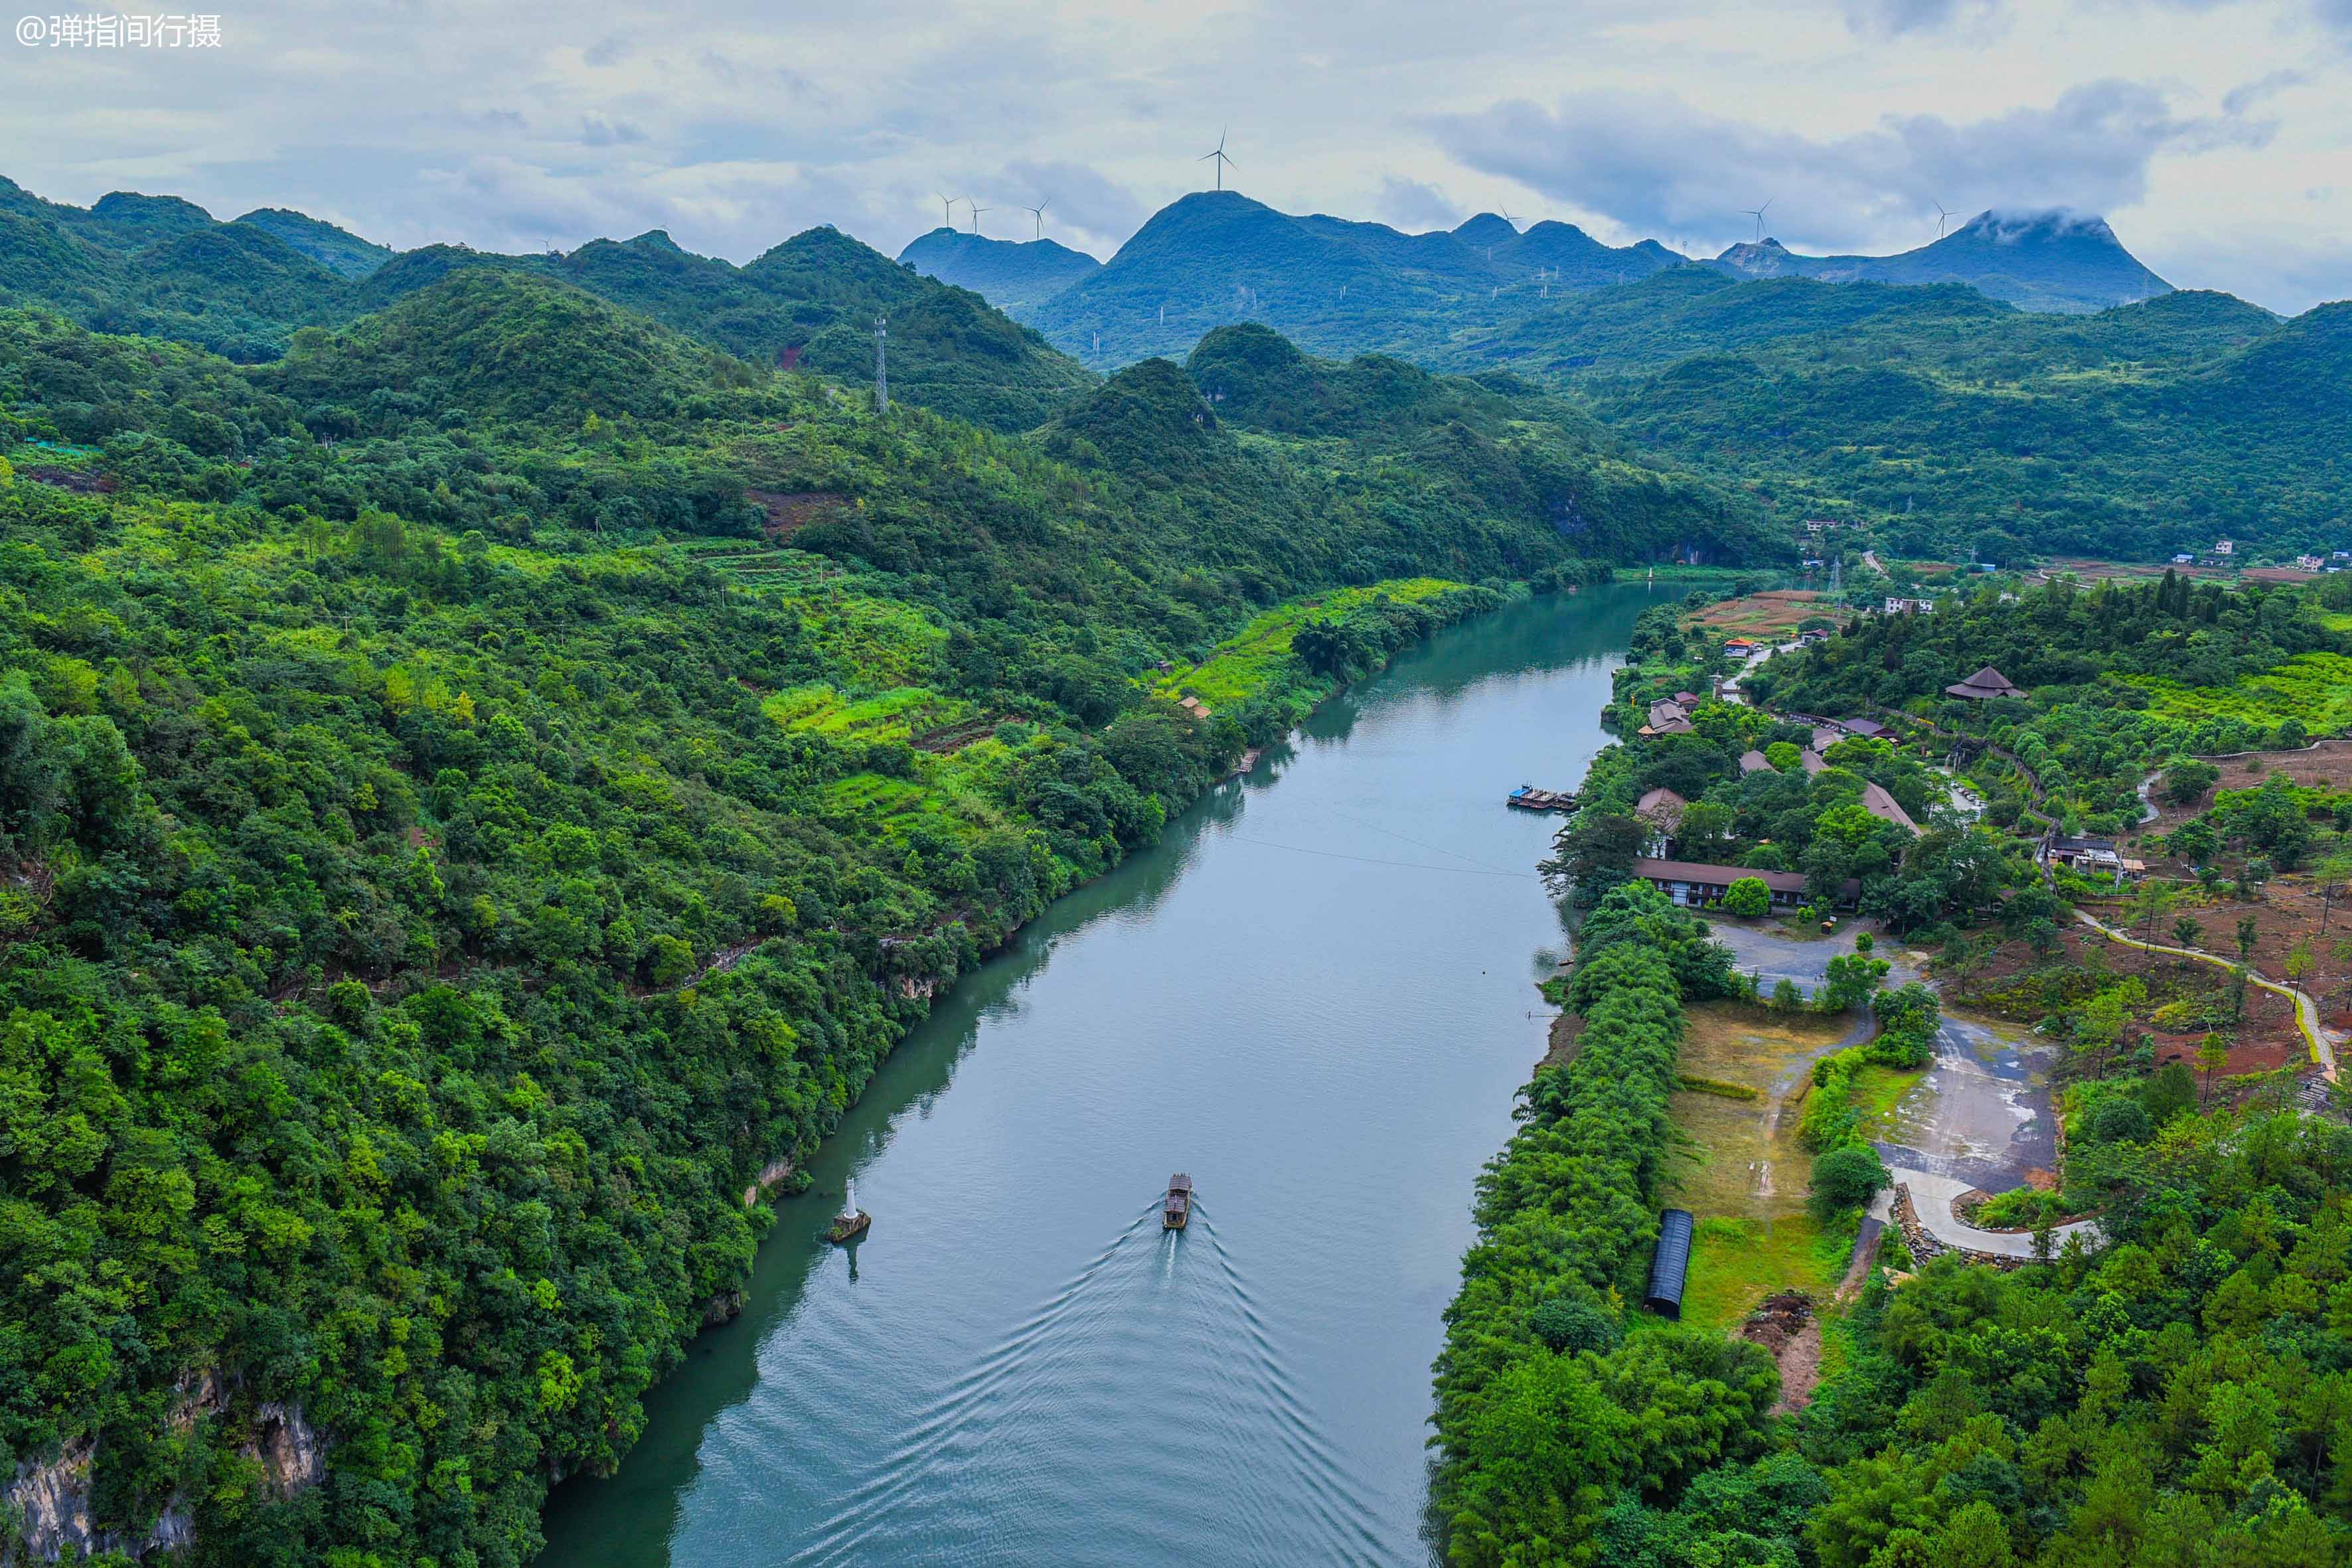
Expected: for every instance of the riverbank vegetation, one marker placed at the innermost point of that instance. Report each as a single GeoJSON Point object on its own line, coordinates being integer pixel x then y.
{"type": "Point", "coordinates": [479, 792]}
{"type": "Point", "coordinates": [1548, 1408]}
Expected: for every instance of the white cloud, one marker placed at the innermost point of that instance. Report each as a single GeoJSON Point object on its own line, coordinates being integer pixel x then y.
{"type": "Point", "coordinates": [1892, 18]}
{"type": "Point", "coordinates": [1653, 163]}
{"type": "Point", "coordinates": [737, 122]}
{"type": "Point", "coordinates": [1413, 205]}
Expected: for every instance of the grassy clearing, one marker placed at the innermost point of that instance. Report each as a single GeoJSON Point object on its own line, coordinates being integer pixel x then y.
{"type": "Point", "coordinates": [1877, 1090]}
{"type": "Point", "coordinates": [1736, 1262]}
{"type": "Point", "coordinates": [1259, 654]}
{"type": "Point", "coordinates": [1743, 1159]}
{"type": "Point", "coordinates": [2313, 688]}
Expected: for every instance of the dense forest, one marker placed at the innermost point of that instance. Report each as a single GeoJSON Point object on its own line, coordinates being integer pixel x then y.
{"type": "Point", "coordinates": [483, 788]}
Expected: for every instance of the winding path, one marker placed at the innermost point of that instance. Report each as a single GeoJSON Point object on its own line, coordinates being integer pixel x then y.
{"type": "Point", "coordinates": [1932, 1199]}
{"type": "Point", "coordinates": [2306, 1011]}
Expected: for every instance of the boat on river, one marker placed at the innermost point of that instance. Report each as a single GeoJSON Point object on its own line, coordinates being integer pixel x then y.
{"type": "Point", "coordinates": [1178, 1206]}
{"type": "Point", "coordinates": [852, 1221]}
{"type": "Point", "coordinates": [1527, 797]}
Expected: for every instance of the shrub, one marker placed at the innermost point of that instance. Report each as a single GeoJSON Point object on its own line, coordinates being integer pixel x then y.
{"type": "Point", "coordinates": [2121, 1121]}
{"type": "Point", "coordinates": [1748, 897]}
{"type": "Point", "coordinates": [1846, 1178]}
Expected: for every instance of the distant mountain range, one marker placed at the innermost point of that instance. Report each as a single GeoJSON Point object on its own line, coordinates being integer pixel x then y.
{"type": "Point", "coordinates": [1342, 286]}
{"type": "Point", "coordinates": [2036, 261]}
{"type": "Point", "coordinates": [1336, 285]}
{"type": "Point", "coordinates": [1911, 389]}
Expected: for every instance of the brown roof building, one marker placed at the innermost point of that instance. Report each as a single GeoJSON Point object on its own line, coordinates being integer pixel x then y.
{"type": "Point", "coordinates": [1983, 685]}
{"type": "Point", "coordinates": [1691, 882]}
{"type": "Point", "coordinates": [1754, 762]}
{"type": "Point", "coordinates": [1661, 809]}
{"type": "Point", "coordinates": [1886, 808]}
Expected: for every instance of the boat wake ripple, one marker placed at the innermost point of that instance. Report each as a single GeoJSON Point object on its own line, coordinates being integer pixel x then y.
{"type": "Point", "coordinates": [1015, 1459]}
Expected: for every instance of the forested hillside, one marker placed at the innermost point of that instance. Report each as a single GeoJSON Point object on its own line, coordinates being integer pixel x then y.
{"type": "Point", "coordinates": [163, 266]}
{"type": "Point", "coordinates": [1942, 416]}
{"type": "Point", "coordinates": [483, 787]}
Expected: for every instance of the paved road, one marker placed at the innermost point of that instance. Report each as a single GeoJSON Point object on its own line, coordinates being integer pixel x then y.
{"type": "Point", "coordinates": [2306, 1011]}
{"type": "Point", "coordinates": [1931, 1200]}
{"type": "Point", "coordinates": [1771, 954]}
{"type": "Point", "coordinates": [1982, 1115]}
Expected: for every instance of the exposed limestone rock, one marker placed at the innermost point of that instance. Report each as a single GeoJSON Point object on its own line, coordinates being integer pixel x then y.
{"type": "Point", "coordinates": [772, 1176]}
{"type": "Point", "coordinates": [291, 1450]}
{"type": "Point", "coordinates": [52, 1498]}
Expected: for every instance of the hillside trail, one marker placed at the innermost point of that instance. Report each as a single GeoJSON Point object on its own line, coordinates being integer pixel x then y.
{"type": "Point", "coordinates": [2306, 1011]}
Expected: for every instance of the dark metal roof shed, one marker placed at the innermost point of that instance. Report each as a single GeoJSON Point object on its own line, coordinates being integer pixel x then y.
{"type": "Point", "coordinates": [1670, 1264]}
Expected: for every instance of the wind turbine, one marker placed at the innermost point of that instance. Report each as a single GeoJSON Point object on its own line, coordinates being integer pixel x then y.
{"type": "Point", "coordinates": [1942, 217]}
{"type": "Point", "coordinates": [1224, 162]}
{"type": "Point", "coordinates": [947, 210]}
{"type": "Point", "coordinates": [976, 211]}
{"type": "Point", "coordinates": [1038, 212]}
{"type": "Point", "coordinates": [1513, 222]}
{"type": "Point", "coordinates": [1758, 214]}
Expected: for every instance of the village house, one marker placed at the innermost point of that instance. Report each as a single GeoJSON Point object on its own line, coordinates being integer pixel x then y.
{"type": "Point", "coordinates": [1661, 811]}
{"type": "Point", "coordinates": [1754, 762]}
{"type": "Point", "coordinates": [1691, 883]}
{"type": "Point", "coordinates": [1668, 718]}
{"type": "Point", "coordinates": [1886, 808]}
{"type": "Point", "coordinates": [2225, 547]}
{"type": "Point", "coordinates": [2310, 562]}
{"type": "Point", "coordinates": [2089, 856]}
{"type": "Point", "coordinates": [1896, 604]}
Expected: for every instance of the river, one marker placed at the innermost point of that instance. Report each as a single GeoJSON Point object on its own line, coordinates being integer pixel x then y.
{"type": "Point", "coordinates": [1316, 995]}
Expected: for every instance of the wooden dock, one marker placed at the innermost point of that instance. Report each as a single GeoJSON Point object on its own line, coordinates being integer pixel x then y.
{"type": "Point", "coordinates": [1527, 797]}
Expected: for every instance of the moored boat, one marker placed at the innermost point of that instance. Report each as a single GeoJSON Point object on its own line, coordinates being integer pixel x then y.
{"type": "Point", "coordinates": [1527, 797]}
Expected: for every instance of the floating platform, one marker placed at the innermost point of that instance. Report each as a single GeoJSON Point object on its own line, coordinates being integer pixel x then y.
{"type": "Point", "coordinates": [1178, 1209]}
{"type": "Point", "coordinates": [1527, 797]}
{"type": "Point", "coordinates": [848, 1226]}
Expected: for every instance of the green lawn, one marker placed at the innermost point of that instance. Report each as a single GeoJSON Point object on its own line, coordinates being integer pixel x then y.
{"type": "Point", "coordinates": [1736, 1262]}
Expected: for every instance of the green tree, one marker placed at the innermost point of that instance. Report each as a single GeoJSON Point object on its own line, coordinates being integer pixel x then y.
{"type": "Point", "coordinates": [1747, 897]}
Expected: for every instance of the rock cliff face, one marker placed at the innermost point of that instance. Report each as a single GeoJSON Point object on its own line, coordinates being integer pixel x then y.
{"type": "Point", "coordinates": [773, 1175]}
{"type": "Point", "coordinates": [52, 1497]}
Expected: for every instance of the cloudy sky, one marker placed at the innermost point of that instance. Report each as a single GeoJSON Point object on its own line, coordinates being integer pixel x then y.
{"type": "Point", "coordinates": [2216, 135]}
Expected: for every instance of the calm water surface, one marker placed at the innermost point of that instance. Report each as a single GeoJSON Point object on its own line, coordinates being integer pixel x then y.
{"type": "Point", "coordinates": [1316, 995]}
